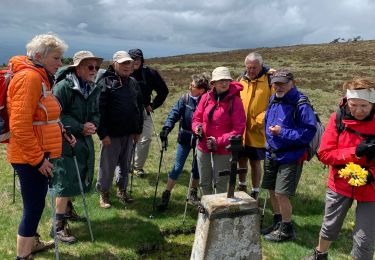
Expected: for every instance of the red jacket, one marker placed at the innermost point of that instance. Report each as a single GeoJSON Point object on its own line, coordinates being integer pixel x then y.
{"type": "Point", "coordinates": [339, 150]}
{"type": "Point", "coordinates": [228, 118]}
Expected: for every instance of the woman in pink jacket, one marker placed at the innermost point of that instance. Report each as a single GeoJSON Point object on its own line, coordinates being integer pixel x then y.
{"type": "Point", "coordinates": [219, 115]}
{"type": "Point", "coordinates": [350, 137]}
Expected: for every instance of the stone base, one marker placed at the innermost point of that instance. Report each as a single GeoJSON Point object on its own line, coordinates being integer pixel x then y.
{"type": "Point", "coordinates": [229, 229]}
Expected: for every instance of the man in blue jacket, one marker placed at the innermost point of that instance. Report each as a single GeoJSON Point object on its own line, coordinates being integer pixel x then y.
{"type": "Point", "coordinates": [289, 129]}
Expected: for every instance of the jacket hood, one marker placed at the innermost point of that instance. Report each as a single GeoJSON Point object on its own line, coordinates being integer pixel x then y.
{"type": "Point", "coordinates": [63, 71]}
{"type": "Point", "coordinates": [136, 53]}
{"type": "Point", "coordinates": [19, 63]}
{"type": "Point", "coordinates": [264, 70]}
{"type": "Point", "coordinates": [102, 73]}
{"type": "Point", "coordinates": [234, 89]}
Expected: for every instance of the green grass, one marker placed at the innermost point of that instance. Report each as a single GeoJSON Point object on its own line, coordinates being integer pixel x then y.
{"type": "Point", "coordinates": [128, 232]}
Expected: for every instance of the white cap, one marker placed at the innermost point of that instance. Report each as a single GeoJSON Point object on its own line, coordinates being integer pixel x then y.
{"type": "Point", "coordinates": [121, 56]}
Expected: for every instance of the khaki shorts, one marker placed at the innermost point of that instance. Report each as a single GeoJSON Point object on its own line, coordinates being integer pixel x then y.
{"type": "Point", "coordinates": [282, 178]}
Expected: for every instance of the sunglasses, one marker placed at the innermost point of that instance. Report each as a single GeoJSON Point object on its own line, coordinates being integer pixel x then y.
{"type": "Point", "coordinates": [91, 67]}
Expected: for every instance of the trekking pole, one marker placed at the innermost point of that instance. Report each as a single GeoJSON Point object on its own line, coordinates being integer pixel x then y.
{"type": "Point", "coordinates": [264, 208]}
{"type": "Point", "coordinates": [194, 144]}
{"type": "Point", "coordinates": [213, 167]}
{"type": "Point", "coordinates": [50, 189]}
{"type": "Point", "coordinates": [67, 129]}
{"type": "Point", "coordinates": [163, 147]}
{"type": "Point", "coordinates": [213, 171]}
{"type": "Point", "coordinates": [132, 161]}
{"type": "Point", "coordinates": [153, 126]}
{"type": "Point", "coordinates": [187, 197]}
{"type": "Point", "coordinates": [14, 186]}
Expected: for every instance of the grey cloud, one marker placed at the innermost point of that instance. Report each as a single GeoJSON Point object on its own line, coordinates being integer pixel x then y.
{"type": "Point", "coordinates": [168, 27]}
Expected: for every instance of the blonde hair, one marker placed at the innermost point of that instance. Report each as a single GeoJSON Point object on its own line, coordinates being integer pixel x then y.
{"type": "Point", "coordinates": [44, 44]}
{"type": "Point", "coordinates": [359, 83]}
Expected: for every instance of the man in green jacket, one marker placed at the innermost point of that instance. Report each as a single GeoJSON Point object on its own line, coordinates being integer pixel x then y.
{"type": "Point", "coordinates": [79, 99]}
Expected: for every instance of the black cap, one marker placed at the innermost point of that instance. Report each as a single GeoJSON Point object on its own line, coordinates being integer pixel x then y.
{"type": "Point", "coordinates": [282, 76]}
{"type": "Point", "coordinates": [136, 53]}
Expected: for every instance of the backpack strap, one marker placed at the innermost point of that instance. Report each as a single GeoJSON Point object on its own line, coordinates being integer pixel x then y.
{"type": "Point", "coordinates": [340, 127]}
{"type": "Point", "coordinates": [301, 101]}
{"type": "Point", "coordinates": [269, 76]}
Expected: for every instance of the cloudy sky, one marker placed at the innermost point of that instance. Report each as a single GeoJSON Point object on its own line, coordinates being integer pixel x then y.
{"type": "Point", "coordinates": [171, 27]}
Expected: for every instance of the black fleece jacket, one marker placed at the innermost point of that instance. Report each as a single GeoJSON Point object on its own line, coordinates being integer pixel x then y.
{"type": "Point", "coordinates": [120, 105]}
{"type": "Point", "coordinates": [150, 80]}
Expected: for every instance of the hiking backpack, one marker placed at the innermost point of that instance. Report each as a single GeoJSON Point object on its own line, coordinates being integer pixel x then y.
{"type": "Point", "coordinates": [314, 144]}
{"type": "Point", "coordinates": [5, 77]}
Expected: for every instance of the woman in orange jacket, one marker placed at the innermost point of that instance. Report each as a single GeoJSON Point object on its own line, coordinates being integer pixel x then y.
{"type": "Point", "coordinates": [35, 131]}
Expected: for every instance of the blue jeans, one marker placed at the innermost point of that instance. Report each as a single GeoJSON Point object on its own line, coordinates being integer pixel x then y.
{"type": "Point", "coordinates": [182, 153]}
{"type": "Point", "coordinates": [34, 188]}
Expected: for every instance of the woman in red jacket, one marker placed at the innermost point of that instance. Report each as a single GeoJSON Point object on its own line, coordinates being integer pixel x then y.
{"type": "Point", "coordinates": [353, 142]}
{"type": "Point", "coordinates": [219, 115]}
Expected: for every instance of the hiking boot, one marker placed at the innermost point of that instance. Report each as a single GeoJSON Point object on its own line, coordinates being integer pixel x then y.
{"type": "Point", "coordinates": [29, 257]}
{"type": "Point", "coordinates": [193, 196]}
{"type": "Point", "coordinates": [275, 225]}
{"type": "Point", "coordinates": [71, 214]}
{"type": "Point", "coordinates": [124, 196]}
{"type": "Point", "coordinates": [39, 245]}
{"type": "Point", "coordinates": [285, 232]}
{"type": "Point", "coordinates": [316, 255]}
{"type": "Point", "coordinates": [164, 200]}
{"type": "Point", "coordinates": [104, 200]}
{"type": "Point", "coordinates": [63, 232]}
{"type": "Point", "coordinates": [242, 187]}
{"type": "Point", "coordinates": [140, 173]}
{"type": "Point", "coordinates": [254, 194]}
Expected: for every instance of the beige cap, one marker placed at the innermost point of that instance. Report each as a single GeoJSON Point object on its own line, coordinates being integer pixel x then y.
{"type": "Point", "coordinates": [84, 55]}
{"type": "Point", "coordinates": [220, 73]}
{"type": "Point", "coordinates": [121, 56]}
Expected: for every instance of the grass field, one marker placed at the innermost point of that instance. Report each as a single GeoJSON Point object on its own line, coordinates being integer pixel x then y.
{"type": "Point", "coordinates": [128, 232]}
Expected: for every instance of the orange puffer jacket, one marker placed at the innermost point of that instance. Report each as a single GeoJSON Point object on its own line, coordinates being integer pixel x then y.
{"type": "Point", "coordinates": [33, 115]}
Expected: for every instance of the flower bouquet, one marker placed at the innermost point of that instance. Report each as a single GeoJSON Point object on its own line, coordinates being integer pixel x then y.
{"type": "Point", "coordinates": [355, 173]}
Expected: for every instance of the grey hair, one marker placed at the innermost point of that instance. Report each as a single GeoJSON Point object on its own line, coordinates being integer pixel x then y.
{"type": "Point", "coordinates": [44, 44]}
{"type": "Point", "coordinates": [202, 80]}
{"type": "Point", "coordinates": [253, 56]}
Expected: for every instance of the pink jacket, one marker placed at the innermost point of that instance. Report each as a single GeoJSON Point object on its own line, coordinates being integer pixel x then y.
{"type": "Point", "coordinates": [228, 118]}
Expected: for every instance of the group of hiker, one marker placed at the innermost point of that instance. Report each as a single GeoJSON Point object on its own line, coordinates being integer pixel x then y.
{"type": "Point", "coordinates": [54, 111]}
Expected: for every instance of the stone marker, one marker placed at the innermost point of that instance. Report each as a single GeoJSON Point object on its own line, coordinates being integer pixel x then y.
{"type": "Point", "coordinates": [228, 228]}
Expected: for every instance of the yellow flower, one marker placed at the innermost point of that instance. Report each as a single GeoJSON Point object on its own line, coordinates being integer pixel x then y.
{"type": "Point", "coordinates": [355, 173]}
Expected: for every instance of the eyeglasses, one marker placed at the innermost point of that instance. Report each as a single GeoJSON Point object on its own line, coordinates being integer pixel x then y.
{"type": "Point", "coordinates": [91, 67]}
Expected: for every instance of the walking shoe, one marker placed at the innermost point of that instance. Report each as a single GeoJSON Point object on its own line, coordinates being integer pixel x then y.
{"type": "Point", "coordinates": [104, 200]}
{"type": "Point", "coordinates": [124, 196]}
{"type": "Point", "coordinates": [285, 232]}
{"type": "Point", "coordinates": [164, 200]}
{"type": "Point", "coordinates": [28, 257]}
{"type": "Point", "coordinates": [316, 255]}
{"type": "Point", "coordinates": [71, 214]}
{"type": "Point", "coordinates": [63, 232]}
{"type": "Point", "coordinates": [140, 173]}
{"type": "Point", "coordinates": [39, 245]}
{"type": "Point", "coordinates": [242, 187]}
{"type": "Point", "coordinates": [254, 194]}
{"type": "Point", "coordinates": [193, 196]}
{"type": "Point", "coordinates": [275, 225]}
